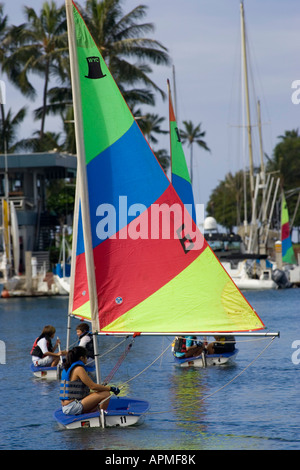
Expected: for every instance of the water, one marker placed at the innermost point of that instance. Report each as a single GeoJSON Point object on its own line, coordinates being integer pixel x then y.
{"type": "Point", "coordinates": [257, 411]}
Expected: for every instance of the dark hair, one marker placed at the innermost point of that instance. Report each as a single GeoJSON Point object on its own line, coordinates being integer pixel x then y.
{"type": "Point", "coordinates": [74, 355]}
{"type": "Point", "coordinates": [83, 327]}
{"type": "Point", "coordinates": [48, 330]}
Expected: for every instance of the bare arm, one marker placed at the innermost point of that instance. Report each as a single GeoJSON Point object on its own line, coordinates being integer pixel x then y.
{"type": "Point", "coordinates": [80, 373]}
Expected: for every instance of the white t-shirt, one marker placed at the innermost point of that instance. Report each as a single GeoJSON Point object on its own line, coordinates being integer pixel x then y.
{"type": "Point", "coordinates": [84, 340]}
{"type": "Point", "coordinates": [42, 343]}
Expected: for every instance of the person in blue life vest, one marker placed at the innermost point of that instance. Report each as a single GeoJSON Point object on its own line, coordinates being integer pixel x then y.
{"type": "Point", "coordinates": [223, 344]}
{"type": "Point", "coordinates": [85, 339]}
{"type": "Point", "coordinates": [42, 352]}
{"type": "Point", "coordinates": [78, 392]}
{"type": "Point", "coordinates": [187, 346]}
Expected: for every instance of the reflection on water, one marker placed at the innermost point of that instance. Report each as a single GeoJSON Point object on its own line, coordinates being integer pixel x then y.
{"type": "Point", "coordinates": [259, 410]}
{"type": "Point", "coordinates": [188, 389]}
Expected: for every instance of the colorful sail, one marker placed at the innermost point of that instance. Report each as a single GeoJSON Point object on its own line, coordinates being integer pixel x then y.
{"type": "Point", "coordinates": [180, 175]}
{"type": "Point", "coordinates": [288, 255]}
{"type": "Point", "coordinates": [154, 271]}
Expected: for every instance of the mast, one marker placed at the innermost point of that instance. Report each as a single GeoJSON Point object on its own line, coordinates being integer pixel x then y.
{"type": "Point", "coordinates": [263, 179]}
{"type": "Point", "coordinates": [81, 169]}
{"type": "Point", "coordinates": [245, 68]}
{"type": "Point", "coordinates": [174, 87]}
{"type": "Point", "coordinates": [247, 98]}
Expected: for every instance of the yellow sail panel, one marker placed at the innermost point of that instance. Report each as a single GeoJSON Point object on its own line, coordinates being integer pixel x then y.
{"type": "Point", "coordinates": [202, 294]}
{"type": "Point", "coordinates": [83, 312]}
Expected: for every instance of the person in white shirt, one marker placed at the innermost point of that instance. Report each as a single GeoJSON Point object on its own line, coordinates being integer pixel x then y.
{"type": "Point", "coordinates": [85, 340]}
{"type": "Point", "coordinates": [42, 352]}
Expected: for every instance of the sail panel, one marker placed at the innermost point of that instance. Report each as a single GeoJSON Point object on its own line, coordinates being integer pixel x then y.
{"type": "Point", "coordinates": [180, 174]}
{"type": "Point", "coordinates": [129, 168]}
{"type": "Point", "coordinates": [99, 102]}
{"type": "Point", "coordinates": [197, 299]}
{"type": "Point", "coordinates": [145, 255]}
{"type": "Point", "coordinates": [184, 190]}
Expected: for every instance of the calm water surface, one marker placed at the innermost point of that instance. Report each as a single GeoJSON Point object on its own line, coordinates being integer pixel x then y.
{"type": "Point", "coordinates": [257, 411]}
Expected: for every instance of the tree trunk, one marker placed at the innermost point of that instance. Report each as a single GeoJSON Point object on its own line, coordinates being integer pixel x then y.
{"type": "Point", "coordinates": [44, 100]}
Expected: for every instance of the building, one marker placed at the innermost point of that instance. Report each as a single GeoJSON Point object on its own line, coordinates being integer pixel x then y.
{"type": "Point", "coordinates": [28, 176]}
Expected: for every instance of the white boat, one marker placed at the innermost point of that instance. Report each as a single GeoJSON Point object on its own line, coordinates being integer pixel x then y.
{"type": "Point", "coordinates": [207, 360]}
{"type": "Point", "coordinates": [244, 281]}
{"type": "Point", "coordinates": [46, 373]}
{"type": "Point", "coordinates": [139, 263]}
{"type": "Point", "coordinates": [52, 373]}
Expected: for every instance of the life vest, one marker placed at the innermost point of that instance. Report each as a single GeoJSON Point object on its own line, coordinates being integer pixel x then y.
{"type": "Point", "coordinates": [89, 346]}
{"type": "Point", "coordinates": [75, 389]}
{"type": "Point", "coordinates": [180, 345]}
{"type": "Point", "coordinates": [36, 350]}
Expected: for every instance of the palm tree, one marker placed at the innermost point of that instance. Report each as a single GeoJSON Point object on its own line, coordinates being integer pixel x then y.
{"type": "Point", "coordinates": [37, 46]}
{"type": "Point", "coordinates": [150, 125]}
{"type": "Point", "coordinates": [193, 135]}
{"type": "Point", "coordinates": [8, 126]}
{"type": "Point", "coordinates": [119, 38]}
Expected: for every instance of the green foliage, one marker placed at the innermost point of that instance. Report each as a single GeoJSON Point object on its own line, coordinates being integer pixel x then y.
{"type": "Point", "coordinates": [60, 199]}
{"type": "Point", "coordinates": [39, 46]}
{"type": "Point", "coordinates": [286, 162]}
{"type": "Point", "coordinates": [226, 201]}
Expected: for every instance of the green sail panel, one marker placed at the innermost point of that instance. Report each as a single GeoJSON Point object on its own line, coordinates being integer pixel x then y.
{"type": "Point", "coordinates": [92, 66]}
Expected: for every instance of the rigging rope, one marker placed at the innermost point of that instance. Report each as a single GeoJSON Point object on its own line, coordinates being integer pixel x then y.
{"type": "Point", "coordinates": [118, 363]}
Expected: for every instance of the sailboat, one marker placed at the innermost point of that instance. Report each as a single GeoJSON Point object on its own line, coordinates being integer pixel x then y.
{"type": "Point", "coordinates": [141, 264]}
{"type": "Point", "coordinates": [287, 273]}
{"type": "Point", "coordinates": [288, 255]}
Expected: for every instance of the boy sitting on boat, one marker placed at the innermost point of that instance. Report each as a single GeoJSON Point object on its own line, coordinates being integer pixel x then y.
{"type": "Point", "coordinates": [85, 339]}
{"type": "Point", "coordinates": [223, 344]}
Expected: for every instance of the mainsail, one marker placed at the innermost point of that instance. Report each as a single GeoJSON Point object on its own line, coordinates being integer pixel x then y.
{"type": "Point", "coordinates": [180, 174]}
{"type": "Point", "coordinates": [288, 255]}
{"type": "Point", "coordinates": [143, 265]}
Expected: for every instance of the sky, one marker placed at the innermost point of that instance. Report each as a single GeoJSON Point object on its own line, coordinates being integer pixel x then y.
{"type": "Point", "coordinates": [203, 40]}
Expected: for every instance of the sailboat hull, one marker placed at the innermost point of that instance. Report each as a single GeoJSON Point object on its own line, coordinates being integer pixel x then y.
{"type": "Point", "coordinates": [53, 373]}
{"type": "Point", "coordinates": [121, 412]}
{"type": "Point", "coordinates": [46, 373]}
{"type": "Point", "coordinates": [206, 360]}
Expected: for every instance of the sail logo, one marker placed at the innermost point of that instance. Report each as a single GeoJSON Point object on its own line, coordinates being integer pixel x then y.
{"type": "Point", "coordinates": [2, 353]}
{"type": "Point", "coordinates": [94, 66]}
{"type": "Point", "coordinates": [158, 222]}
{"type": "Point", "coordinates": [296, 354]}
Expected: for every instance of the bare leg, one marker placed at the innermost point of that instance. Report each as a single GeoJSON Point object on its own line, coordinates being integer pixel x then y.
{"type": "Point", "coordinates": [55, 361]}
{"type": "Point", "coordinates": [194, 351]}
{"type": "Point", "coordinates": [91, 402]}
